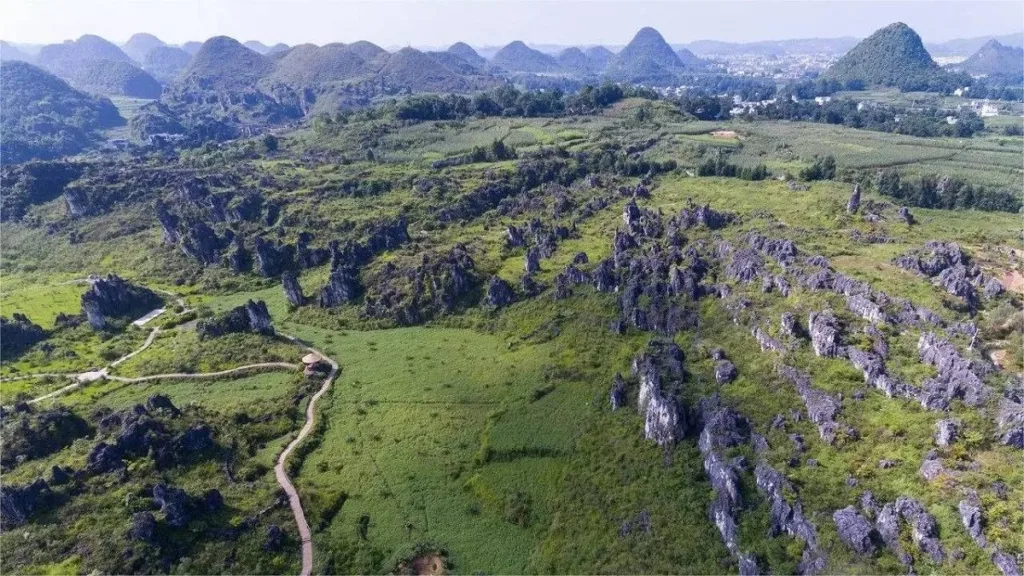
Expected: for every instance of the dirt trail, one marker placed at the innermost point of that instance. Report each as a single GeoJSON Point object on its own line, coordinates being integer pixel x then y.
{"type": "Point", "coordinates": [279, 469]}
{"type": "Point", "coordinates": [88, 376]}
{"type": "Point", "coordinates": [190, 376]}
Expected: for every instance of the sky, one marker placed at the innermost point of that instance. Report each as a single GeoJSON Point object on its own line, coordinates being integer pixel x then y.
{"type": "Point", "coordinates": [437, 23]}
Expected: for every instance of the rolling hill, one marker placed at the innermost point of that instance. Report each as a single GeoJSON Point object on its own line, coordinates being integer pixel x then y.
{"type": "Point", "coordinates": [518, 57]}
{"type": "Point", "coordinates": [413, 69]}
{"type": "Point", "coordinates": [139, 45]}
{"type": "Point", "coordinates": [892, 56]}
{"type": "Point", "coordinates": [96, 65]}
{"type": "Point", "coordinates": [192, 47]}
{"type": "Point", "coordinates": [44, 117]}
{"type": "Point", "coordinates": [114, 79]}
{"type": "Point", "coordinates": [690, 60]}
{"type": "Point", "coordinates": [575, 60]}
{"type": "Point", "coordinates": [62, 58]}
{"type": "Point", "coordinates": [256, 46]}
{"type": "Point", "coordinates": [9, 53]}
{"type": "Point", "coordinates": [994, 58]}
{"type": "Point", "coordinates": [467, 53]}
{"type": "Point", "coordinates": [222, 63]}
{"type": "Point", "coordinates": [308, 64]}
{"type": "Point", "coordinates": [455, 63]}
{"type": "Point", "coordinates": [647, 59]}
{"type": "Point", "coordinates": [600, 56]}
{"type": "Point", "coordinates": [165, 62]}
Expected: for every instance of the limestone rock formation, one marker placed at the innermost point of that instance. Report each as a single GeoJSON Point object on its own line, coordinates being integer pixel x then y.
{"type": "Point", "coordinates": [292, 289]}
{"type": "Point", "coordinates": [499, 293]}
{"type": "Point", "coordinates": [113, 297]}
{"type": "Point", "coordinates": [855, 530]}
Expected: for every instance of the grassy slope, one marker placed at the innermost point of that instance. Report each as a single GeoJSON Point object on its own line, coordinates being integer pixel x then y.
{"type": "Point", "coordinates": [431, 429]}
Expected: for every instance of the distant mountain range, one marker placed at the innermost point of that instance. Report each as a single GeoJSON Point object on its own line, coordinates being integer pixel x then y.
{"type": "Point", "coordinates": [994, 58]}
{"type": "Point", "coordinates": [144, 63]}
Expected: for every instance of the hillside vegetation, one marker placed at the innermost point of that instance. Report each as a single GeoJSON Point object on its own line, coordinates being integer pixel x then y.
{"type": "Point", "coordinates": [44, 117]}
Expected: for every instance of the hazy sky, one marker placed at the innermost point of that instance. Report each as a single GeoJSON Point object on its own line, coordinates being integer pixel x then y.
{"type": "Point", "coordinates": [495, 22]}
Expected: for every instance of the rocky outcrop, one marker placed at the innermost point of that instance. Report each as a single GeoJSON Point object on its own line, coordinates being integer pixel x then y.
{"type": "Point", "coordinates": [873, 367]}
{"type": "Point", "coordinates": [853, 205]}
{"type": "Point", "coordinates": [725, 428]}
{"type": "Point", "coordinates": [787, 517]}
{"type": "Point", "coordinates": [950, 266]}
{"type": "Point", "coordinates": [866, 308]}
{"type": "Point", "coordinates": [274, 540]}
{"type": "Point", "coordinates": [783, 251]}
{"type": "Point", "coordinates": [617, 394]}
{"type": "Point", "coordinates": [725, 372]}
{"type": "Point", "coordinates": [174, 503]}
{"type": "Point", "coordinates": [765, 341]}
{"type": "Point", "coordinates": [292, 289]}
{"type": "Point", "coordinates": [18, 334]}
{"type": "Point", "coordinates": [201, 243]}
{"type": "Point", "coordinates": [162, 403]}
{"type": "Point", "coordinates": [514, 237]}
{"type": "Point", "coordinates": [1010, 420]}
{"type": "Point", "coordinates": [924, 528]}
{"type": "Point", "coordinates": [825, 337]}
{"type": "Point", "coordinates": [958, 377]}
{"type": "Point", "coordinates": [308, 257]}
{"type": "Point", "coordinates": [906, 216]}
{"type": "Point", "coordinates": [855, 531]}
{"type": "Point", "coordinates": [660, 370]}
{"type": "Point", "coordinates": [532, 263]}
{"type": "Point", "coordinates": [745, 265]}
{"type": "Point", "coordinates": [272, 259]}
{"type": "Point", "coordinates": [113, 297]}
{"type": "Point", "coordinates": [993, 288]}
{"type": "Point", "coordinates": [239, 259]}
{"type": "Point", "coordinates": [437, 285]}
{"type": "Point", "coordinates": [143, 527]}
{"type": "Point", "coordinates": [972, 519]}
{"type": "Point", "coordinates": [253, 316]}
{"type": "Point", "coordinates": [1006, 563]}
{"type": "Point", "coordinates": [499, 293]}
{"type": "Point", "coordinates": [694, 215]}
{"type": "Point", "coordinates": [822, 407]}
{"type": "Point", "coordinates": [17, 503]}
{"type": "Point", "coordinates": [947, 431]}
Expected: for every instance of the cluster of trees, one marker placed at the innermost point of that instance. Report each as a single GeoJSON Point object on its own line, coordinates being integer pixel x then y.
{"type": "Point", "coordinates": [496, 152]}
{"type": "Point", "coordinates": [1008, 87]}
{"type": "Point", "coordinates": [508, 101]}
{"type": "Point", "coordinates": [705, 107]}
{"type": "Point", "coordinates": [719, 166]}
{"type": "Point", "coordinates": [931, 191]}
{"type": "Point", "coordinates": [823, 168]}
{"type": "Point", "coordinates": [930, 122]}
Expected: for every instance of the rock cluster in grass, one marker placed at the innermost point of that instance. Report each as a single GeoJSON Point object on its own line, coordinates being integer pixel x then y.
{"type": "Point", "coordinates": [114, 297]}
{"type": "Point", "coordinates": [253, 316]}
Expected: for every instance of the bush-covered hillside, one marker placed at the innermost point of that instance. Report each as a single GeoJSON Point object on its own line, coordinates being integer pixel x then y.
{"type": "Point", "coordinates": [45, 118]}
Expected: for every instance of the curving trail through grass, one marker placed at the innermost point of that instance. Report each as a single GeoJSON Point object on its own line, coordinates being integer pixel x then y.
{"type": "Point", "coordinates": [279, 470]}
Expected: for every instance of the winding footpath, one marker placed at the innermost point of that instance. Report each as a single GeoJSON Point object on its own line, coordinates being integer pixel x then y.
{"type": "Point", "coordinates": [279, 469]}
{"type": "Point", "coordinates": [305, 534]}
{"type": "Point", "coordinates": [259, 366]}
{"type": "Point", "coordinates": [90, 376]}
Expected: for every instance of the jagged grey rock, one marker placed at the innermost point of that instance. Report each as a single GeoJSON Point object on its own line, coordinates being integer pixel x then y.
{"type": "Point", "coordinates": [499, 293]}
{"type": "Point", "coordinates": [855, 530]}
{"type": "Point", "coordinates": [853, 205]}
{"type": "Point", "coordinates": [292, 289]}
{"type": "Point", "coordinates": [824, 331]}
{"type": "Point", "coordinates": [947, 431]}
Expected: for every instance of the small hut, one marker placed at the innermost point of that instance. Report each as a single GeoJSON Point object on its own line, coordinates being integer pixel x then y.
{"type": "Point", "coordinates": [314, 364]}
